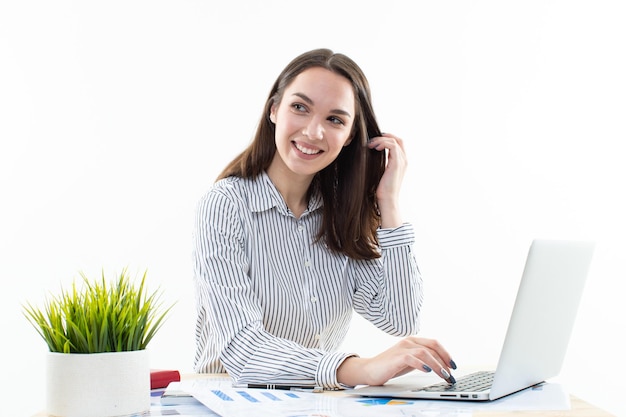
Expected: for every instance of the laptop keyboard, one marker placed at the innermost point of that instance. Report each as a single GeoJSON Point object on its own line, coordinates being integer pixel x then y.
{"type": "Point", "coordinates": [477, 381]}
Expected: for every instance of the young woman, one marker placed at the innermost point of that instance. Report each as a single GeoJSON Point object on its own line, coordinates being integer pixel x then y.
{"type": "Point", "coordinates": [301, 229]}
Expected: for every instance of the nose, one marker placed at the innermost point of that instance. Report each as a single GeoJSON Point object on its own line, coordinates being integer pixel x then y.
{"type": "Point", "coordinates": [314, 129]}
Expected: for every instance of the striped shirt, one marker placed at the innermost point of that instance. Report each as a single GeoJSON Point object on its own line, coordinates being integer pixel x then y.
{"type": "Point", "coordinates": [273, 303]}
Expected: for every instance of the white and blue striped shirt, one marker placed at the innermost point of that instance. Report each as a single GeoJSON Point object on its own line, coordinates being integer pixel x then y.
{"type": "Point", "coordinates": [273, 303]}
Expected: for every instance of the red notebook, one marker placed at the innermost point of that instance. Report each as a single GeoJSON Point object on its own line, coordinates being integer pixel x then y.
{"type": "Point", "coordinates": [160, 378]}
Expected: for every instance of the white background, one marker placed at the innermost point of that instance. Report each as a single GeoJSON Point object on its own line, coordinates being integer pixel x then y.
{"type": "Point", "coordinates": [116, 116]}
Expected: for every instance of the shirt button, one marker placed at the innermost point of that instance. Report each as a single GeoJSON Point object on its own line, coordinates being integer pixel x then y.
{"type": "Point", "coordinates": [314, 299]}
{"type": "Point", "coordinates": [300, 228]}
{"type": "Point", "coordinates": [307, 263]}
{"type": "Point", "coordinates": [317, 337]}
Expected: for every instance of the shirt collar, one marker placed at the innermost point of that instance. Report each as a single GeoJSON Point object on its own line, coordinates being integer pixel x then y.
{"type": "Point", "coordinates": [265, 196]}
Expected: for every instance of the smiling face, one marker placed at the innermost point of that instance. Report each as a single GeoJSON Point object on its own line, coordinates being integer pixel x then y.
{"type": "Point", "coordinates": [313, 122]}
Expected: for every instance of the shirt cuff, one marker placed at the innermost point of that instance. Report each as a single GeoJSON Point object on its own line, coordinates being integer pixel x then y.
{"type": "Point", "coordinates": [398, 236]}
{"type": "Point", "coordinates": [327, 370]}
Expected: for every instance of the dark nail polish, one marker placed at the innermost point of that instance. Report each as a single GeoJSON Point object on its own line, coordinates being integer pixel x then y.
{"type": "Point", "coordinates": [427, 368]}
{"type": "Point", "coordinates": [452, 380]}
{"type": "Point", "coordinates": [452, 364]}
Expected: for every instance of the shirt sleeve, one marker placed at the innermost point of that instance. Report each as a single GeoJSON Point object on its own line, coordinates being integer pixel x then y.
{"type": "Point", "coordinates": [389, 289]}
{"type": "Point", "coordinates": [230, 323]}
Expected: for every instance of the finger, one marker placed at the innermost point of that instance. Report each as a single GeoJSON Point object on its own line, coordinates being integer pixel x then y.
{"type": "Point", "coordinates": [444, 372]}
{"type": "Point", "coordinates": [438, 350]}
{"type": "Point", "coordinates": [379, 144]}
{"type": "Point", "coordinates": [393, 147]}
{"type": "Point", "coordinates": [438, 359]}
{"type": "Point", "coordinates": [420, 365]}
{"type": "Point", "coordinates": [421, 353]}
{"type": "Point", "coordinates": [386, 141]}
{"type": "Point", "coordinates": [421, 357]}
{"type": "Point", "coordinates": [398, 140]}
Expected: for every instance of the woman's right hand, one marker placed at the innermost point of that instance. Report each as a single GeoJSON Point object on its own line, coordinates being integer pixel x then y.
{"type": "Point", "coordinates": [411, 353]}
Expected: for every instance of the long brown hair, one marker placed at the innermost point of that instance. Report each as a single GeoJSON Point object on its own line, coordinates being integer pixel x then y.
{"type": "Point", "coordinates": [348, 185]}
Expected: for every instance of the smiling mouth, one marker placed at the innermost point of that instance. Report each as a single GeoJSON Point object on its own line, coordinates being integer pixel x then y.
{"type": "Point", "coordinates": [306, 151]}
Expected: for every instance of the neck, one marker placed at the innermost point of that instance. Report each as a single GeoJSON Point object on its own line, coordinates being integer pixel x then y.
{"type": "Point", "coordinates": [292, 187]}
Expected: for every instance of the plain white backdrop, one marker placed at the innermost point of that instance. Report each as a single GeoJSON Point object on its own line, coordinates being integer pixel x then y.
{"type": "Point", "coordinates": [116, 116]}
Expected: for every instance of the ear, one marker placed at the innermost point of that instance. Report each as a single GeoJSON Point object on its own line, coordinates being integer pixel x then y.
{"type": "Point", "coordinates": [273, 113]}
{"type": "Point", "coordinates": [353, 134]}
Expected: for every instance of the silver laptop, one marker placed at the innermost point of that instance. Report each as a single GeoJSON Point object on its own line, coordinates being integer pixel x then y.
{"type": "Point", "coordinates": [538, 333]}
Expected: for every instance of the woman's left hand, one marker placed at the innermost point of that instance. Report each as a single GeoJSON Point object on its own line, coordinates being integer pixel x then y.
{"type": "Point", "coordinates": [388, 191]}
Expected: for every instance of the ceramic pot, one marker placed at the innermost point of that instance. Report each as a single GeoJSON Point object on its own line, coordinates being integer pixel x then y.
{"type": "Point", "coordinates": [97, 384]}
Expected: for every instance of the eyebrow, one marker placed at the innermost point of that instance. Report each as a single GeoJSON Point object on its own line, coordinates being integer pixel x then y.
{"type": "Point", "coordinates": [309, 101]}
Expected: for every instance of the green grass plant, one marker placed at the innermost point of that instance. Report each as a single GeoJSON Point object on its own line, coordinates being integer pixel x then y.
{"type": "Point", "coordinates": [102, 316]}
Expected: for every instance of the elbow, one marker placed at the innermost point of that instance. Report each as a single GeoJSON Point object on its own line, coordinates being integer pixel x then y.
{"type": "Point", "coordinates": [404, 328]}
{"type": "Point", "coordinates": [411, 328]}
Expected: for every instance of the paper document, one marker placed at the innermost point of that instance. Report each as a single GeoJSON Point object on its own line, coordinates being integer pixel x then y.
{"type": "Point", "coordinates": [189, 409]}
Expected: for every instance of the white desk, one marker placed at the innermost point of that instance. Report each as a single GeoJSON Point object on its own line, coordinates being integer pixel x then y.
{"type": "Point", "coordinates": [579, 408]}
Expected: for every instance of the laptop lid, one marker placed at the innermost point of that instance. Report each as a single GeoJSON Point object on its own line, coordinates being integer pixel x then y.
{"type": "Point", "coordinates": [540, 325]}
{"type": "Point", "coordinates": [543, 314]}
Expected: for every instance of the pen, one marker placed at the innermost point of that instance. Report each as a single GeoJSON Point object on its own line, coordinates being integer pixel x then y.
{"type": "Point", "coordinates": [281, 387]}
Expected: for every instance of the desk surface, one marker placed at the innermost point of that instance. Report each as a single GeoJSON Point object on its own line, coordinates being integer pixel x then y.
{"type": "Point", "coordinates": [579, 408]}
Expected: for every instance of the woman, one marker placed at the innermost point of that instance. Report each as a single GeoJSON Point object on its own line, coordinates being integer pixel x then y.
{"type": "Point", "coordinates": [302, 228]}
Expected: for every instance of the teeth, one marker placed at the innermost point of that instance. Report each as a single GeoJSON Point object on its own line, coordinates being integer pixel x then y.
{"type": "Point", "coordinates": [306, 150]}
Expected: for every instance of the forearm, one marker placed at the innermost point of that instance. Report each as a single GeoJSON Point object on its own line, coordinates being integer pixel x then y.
{"type": "Point", "coordinates": [254, 356]}
{"type": "Point", "coordinates": [352, 372]}
{"type": "Point", "coordinates": [259, 358]}
{"type": "Point", "coordinates": [390, 216]}
{"type": "Point", "coordinates": [391, 295]}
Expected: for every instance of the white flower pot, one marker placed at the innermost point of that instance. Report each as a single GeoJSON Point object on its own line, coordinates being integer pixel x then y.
{"type": "Point", "coordinates": [98, 384]}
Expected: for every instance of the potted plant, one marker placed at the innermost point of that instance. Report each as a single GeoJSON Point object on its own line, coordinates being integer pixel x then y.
{"type": "Point", "coordinates": [97, 335]}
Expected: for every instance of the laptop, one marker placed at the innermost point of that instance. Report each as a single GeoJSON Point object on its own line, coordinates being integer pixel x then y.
{"type": "Point", "coordinates": [538, 332]}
